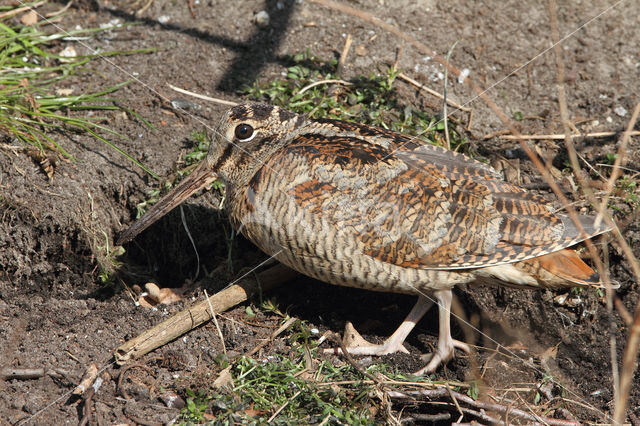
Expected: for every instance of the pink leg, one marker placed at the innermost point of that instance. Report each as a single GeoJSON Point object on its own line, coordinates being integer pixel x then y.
{"type": "Point", "coordinates": [356, 345]}
{"type": "Point", "coordinates": [446, 344]}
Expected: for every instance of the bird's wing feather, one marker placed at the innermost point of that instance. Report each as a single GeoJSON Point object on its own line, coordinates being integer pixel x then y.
{"type": "Point", "coordinates": [422, 208]}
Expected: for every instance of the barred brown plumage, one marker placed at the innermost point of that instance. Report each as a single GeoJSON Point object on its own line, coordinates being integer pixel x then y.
{"type": "Point", "coordinates": [359, 206]}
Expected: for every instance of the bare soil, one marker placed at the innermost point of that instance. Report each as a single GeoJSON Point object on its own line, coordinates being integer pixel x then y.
{"type": "Point", "coordinates": [56, 313]}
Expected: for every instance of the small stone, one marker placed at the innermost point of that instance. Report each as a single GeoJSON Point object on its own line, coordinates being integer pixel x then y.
{"type": "Point", "coordinates": [172, 400]}
{"type": "Point", "coordinates": [463, 75]}
{"type": "Point", "coordinates": [620, 110]}
{"type": "Point", "coordinates": [262, 19]}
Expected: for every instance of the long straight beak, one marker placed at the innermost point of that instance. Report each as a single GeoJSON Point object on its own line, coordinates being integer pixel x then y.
{"type": "Point", "coordinates": [199, 178]}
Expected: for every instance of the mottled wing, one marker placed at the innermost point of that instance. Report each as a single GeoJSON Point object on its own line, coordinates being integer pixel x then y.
{"type": "Point", "coordinates": [423, 207]}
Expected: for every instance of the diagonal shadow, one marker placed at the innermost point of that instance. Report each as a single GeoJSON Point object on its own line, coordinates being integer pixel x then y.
{"type": "Point", "coordinates": [259, 49]}
{"type": "Point", "coordinates": [252, 55]}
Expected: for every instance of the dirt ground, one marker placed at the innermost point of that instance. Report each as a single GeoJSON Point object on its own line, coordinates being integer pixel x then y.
{"type": "Point", "coordinates": [56, 313]}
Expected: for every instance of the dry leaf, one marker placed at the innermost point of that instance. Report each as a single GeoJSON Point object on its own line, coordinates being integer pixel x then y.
{"type": "Point", "coordinates": [155, 295]}
{"type": "Point", "coordinates": [550, 352]}
{"type": "Point", "coordinates": [224, 379]}
{"type": "Point", "coordinates": [29, 18]}
{"type": "Point", "coordinates": [252, 412]}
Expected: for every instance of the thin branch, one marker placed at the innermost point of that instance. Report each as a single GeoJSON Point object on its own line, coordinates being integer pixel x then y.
{"type": "Point", "coordinates": [203, 97]}
{"type": "Point", "coordinates": [317, 83]}
{"type": "Point", "coordinates": [441, 393]}
{"type": "Point", "coordinates": [344, 54]}
{"type": "Point", "coordinates": [20, 10]}
{"type": "Point", "coordinates": [215, 321]}
{"type": "Point", "coordinates": [557, 136]}
{"type": "Point", "coordinates": [273, 335]}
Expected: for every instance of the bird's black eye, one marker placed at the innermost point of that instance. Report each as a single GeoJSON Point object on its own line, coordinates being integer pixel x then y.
{"type": "Point", "coordinates": [244, 132]}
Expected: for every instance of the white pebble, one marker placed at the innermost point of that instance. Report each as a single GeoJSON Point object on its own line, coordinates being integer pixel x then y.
{"type": "Point", "coordinates": [262, 18]}
{"type": "Point", "coordinates": [463, 75]}
{"type": "Point", "coordinates": [620, 110]}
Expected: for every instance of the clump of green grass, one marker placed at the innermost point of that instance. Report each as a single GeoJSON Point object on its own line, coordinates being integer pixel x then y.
{"type": "Point", "coordinates": [368, 99]}
{"type": "Point", "coordinates": [300, 387]}
{"type": "Point", "coordinates": [33, 106]}
{"type": "Point", "coordinates": [259, 388]}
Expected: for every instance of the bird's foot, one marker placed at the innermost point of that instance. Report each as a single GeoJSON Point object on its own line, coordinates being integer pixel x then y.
{"type": "Point", "coordinates": [443, 354]}
{"type": "Point", "coordinates": [355, 344]}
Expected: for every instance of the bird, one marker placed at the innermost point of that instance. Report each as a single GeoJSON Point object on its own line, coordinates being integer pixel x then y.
{"type": "Point", "coordinates": [360, 206]}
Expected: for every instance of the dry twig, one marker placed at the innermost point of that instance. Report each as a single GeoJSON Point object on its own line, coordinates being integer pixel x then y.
{"type": "Point", "coordinates": [203, 97]}
{"type": "Point", "coordinates": [199, 313]}
{"type": "Point", "coordinates": [215, 321]}
{"type": "Point", "coordinates": [344, 54]}
{"type": "Point", "coordinates": [20, 9]}
{"type": "Point", "coordinates": [441, 395]}
{"type": "Point", "coordinates": [318, 83]}
{"type": "Point", "coordinates": [555, 136]}
{"type": "Point", "coordinates": [273, 335]}
{"type": "Point", "coordinates": [432, 92]}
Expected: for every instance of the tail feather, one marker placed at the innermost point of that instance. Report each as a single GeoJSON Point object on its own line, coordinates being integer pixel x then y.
{"type": "Point", "coordinates": [560, 269]}
{"type": "Point", "coordinates": [567, 265]}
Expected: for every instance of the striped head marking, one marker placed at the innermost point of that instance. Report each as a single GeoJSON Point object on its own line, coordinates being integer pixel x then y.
{"type": "Point", "coordinates": [245, 138]}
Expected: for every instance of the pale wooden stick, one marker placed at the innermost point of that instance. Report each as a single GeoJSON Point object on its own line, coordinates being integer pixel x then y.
{"type": "Point", "coordinates": [557, 136]}
{"type": "Point", "coordinates": [317, 83]}
{"type": "Point", "coordinates": [20, 9]}
{"type": "Point", "coordinates": [186, 320]}
{"type": "Point", "coordinates": [59, 12]}
{"type": "Point", "coordinates": [203, 97]}
{"type": "Point", "coordinates": [440, 393]}
{"type": "Point", "coordinates": [215, 321]}
{"type": "Point", "coordinates": [345, 53]}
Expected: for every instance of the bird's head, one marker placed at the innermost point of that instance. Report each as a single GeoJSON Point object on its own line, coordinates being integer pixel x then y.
{"type": "Point", "coordinates": [245, 138]}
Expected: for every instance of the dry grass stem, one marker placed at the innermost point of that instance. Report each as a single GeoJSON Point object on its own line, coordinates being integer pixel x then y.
{"type": "Point", "coordinates": [19, 10]}
{"type": "Point", "coordinates": [318, 83]}
{"type": "Point", "coordinates": [203, 97]}
{"type": "Point", "coordinates": [555, 136]}
{"type": "Point", "coordinates": [345, 53]}
{"type": "Point", "coordinates": [215, 321]}
{"type": "Point", "coordinates": [273, 335]}
{"type": "Point", "coordinates": [282, 407]}
{"type": "Point", "coordinates": [60, 11]}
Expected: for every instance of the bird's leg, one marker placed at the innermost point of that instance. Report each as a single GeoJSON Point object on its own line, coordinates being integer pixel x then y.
{"type": "Point", "coordinates": [446, 344]}
{"type": "Point", "coordinates": [357, 345]}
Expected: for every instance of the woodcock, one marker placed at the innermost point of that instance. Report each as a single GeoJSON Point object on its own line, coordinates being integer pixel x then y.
{"type": "Point", "coordinates": [359, 206]}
